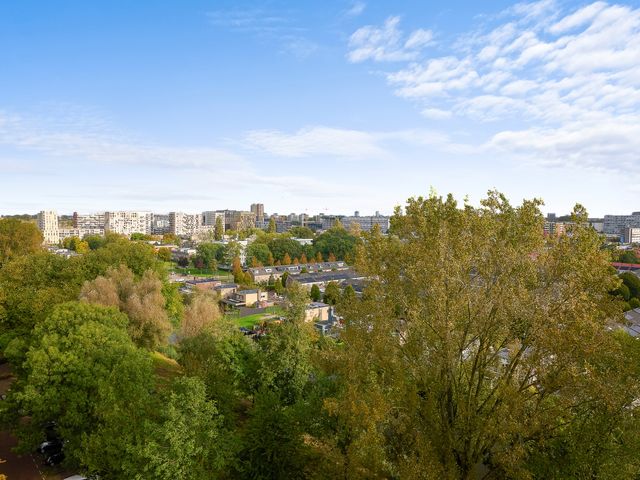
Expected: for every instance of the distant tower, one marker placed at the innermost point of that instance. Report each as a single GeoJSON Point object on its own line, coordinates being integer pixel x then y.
{"type": "Point", "coordinates": [356, 213]}
{"type": "Point", "coordinates": [258, 210]}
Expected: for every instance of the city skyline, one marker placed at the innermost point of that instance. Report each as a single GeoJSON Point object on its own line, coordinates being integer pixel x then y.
{"type": "Point", "coordinates": [344, 106]}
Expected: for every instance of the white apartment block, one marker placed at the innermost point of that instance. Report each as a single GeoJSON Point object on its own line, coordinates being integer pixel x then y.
{"type": "Point", "coordinates": [616, 224]}
{"type": "Point", "coordinates": [632, 235]}
{"type": "Point", "coordinates": [128, 223]}
{"type": "Point", "coordinates": [48, 225]}
{"type": "Point", "coordinates": [184, 224]}
{"type": "Point", "coordinates": [79, 232]}
{"type": "Point", "coordinates": [367, 223]}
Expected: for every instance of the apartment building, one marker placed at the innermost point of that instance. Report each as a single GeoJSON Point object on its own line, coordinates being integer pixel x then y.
{"type": "Point", "coordinates": [48, 225]}
{"type": "Point", "coordinates": [367, 222]}
{"type": "Point", "coordinates": [184, 224]}
{"type": "Point", "coordinates": [616, 224]}
{"type": "Point", "coordinates": [258, 210]}
{"type": "Point", "coordinates": [90, 221]}
{"type": "Point", "coordinates": [238, 219]}
{"type": "Point", "coordinates": [631, 235]}
{"type": "Point", "coordinates": [128, 223]}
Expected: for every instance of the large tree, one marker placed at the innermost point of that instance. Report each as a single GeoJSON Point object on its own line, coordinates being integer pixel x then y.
{"type": "Point", "coordinates": [477, 343]}
{"type": "Point", "coordinates": [337, 242]}
{"type": "Point", "coordinates": [17, 238]}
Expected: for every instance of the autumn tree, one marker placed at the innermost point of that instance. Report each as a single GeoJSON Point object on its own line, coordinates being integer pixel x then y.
{"type": "Point", "coordinates": [481, 346]}
{"type": "Point", "coordinates": [18, 238]}
{"type": "Point", "coordinates": [303, 259]}
{"type": "Point", "coordinates": [286, 260]}
{"type": "Point", "coordinates": [141, 299]}
{"type": "Point", "coordinates": [201, 313]}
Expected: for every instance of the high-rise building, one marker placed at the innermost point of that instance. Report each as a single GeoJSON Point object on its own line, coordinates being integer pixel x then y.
{"type": "Point", "coordinates": [210, 217]}
{"type": "Point", "coordinates": [258, 210]}
{"type": "Point", "coordinates": [632, 235]}
{"type": "Point", "coordinates": [238, 220]}
{"type": "Point", "coordinates": [184, 224]}
{"type": "Point", "coordinates": [160, 224]}
{"type": "Point", "coordinates": [48, 225]}
{"type": "Point", "coordinates": [128, 223]}
{"type": "Point", "coordinates": [616, 224]}
{"type": "Point", "coordinates": [90, 221]}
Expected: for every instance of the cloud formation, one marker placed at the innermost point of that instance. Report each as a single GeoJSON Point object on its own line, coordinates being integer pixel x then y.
{"type": "Point", "coordinates": [567, 82]}
{"type": "Point", "coordinates": [387, 43]}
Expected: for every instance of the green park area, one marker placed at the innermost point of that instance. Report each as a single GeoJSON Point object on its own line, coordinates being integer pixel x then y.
{"type": "Point", "coordinates": [250, 320]}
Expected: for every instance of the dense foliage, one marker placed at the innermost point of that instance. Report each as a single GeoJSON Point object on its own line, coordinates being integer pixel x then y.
{"type": "Point", "coordinates": [479, 349]}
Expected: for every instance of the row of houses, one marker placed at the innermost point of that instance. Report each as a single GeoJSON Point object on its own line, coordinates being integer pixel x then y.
{"type": "Point", "coordinates": [265, 274]}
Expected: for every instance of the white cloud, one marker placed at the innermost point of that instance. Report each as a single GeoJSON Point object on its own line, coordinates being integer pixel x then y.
{"type": "Point", "coordinates": [567, 81]}
{"type": "Point", "coordinates": [386, 44]}
{"type": "Point", "coordinates": [356, 9]}
{"type": "Point", "coordinates": [317, 141]}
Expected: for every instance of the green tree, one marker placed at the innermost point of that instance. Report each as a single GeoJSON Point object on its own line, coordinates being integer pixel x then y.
{"type": "Point", "coordinates": [210, 253]}
{"type": "Point", "coordinates": [282, 246]}
{"type": "Point", "coordinates": [469, 351]}
{"type": "Point", "coordinates": [73, 354]}
{"type": "Point", "coordinates": [171, 239]}
{"type": "Point", "coordinates": [277, 287]}
{"type": "Point", "coordinates": [301, 232]}
{"type": "Point", "coordinates": [95, 241]}
{"type": "Point", "coordinates": [18, 238]}
{"type": "Point", "coordinates": [315, 293]}
{"type": "Point", "coordinates": [272, 226]}
{"type": "Point", "coordinates": [187, 443]}
{"type": "Point", "coordinates": [218, 229]}
{"type": "Point", "coordinates": [337, 242]}
{"type": "Point", "coordinates": [260, 251]}
{"type": "Point", "coordinates": [140, 237]}
{"type": "Point", "coordinates": [632, 282]}
{"type": "Point", "coordinates": [331, 293]}
{"type": "Point", "coordinates": [634, 302]}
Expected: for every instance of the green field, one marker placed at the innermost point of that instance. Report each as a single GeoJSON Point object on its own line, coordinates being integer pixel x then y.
{"type": "Point", "coordinates": [251, 320]}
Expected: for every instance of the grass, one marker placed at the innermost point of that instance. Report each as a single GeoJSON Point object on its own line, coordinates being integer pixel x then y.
{"type": "Point", "coordinates": [166, 368]}
{"type": "Point", "coordinates": [250, 320]}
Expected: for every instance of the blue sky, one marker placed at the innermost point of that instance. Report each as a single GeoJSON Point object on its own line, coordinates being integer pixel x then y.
{"type": "Point", "coordinates": [327, 106]}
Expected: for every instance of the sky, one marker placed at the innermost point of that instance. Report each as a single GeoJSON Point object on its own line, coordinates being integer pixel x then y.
{"type": "Point", "coordinates": [331, 106]}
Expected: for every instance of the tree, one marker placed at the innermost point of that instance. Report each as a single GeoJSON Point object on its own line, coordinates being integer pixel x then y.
{"type": "Point", "coordinates": [277, 287]}
{"type": "Point", "coordinates": [331, 293]}
{"type": "Point", "coordinates": [634, 303]}
{"type": "Point", "coordinates": [171, 239]}
{"type": "Point", "coordinates": [18, 238]}
{"type": "Point", "coordinates": [270, 260]}
{"type": "Point", "coordinates": [315, 293]}
{"type": "Point", "coordinates": [201, 313]}
{"type": "Point", "coordinates": [218, 229]}
{"type": "Point", "coordinates": [236, 269]}
{"type": "Point", "coordinates": [319, 258]}
{"type": "Point", "coordinates": [336, 241]}
{"type": "Point", "coordinates": [272, 225]}
{"type": "Point", "coordinates": [71, 360]}
{"type": "Point", "coordinates": [95, 241]}
{"type": "Point", "coordinates": [209, 254]}
{"type": "Point", "coordinates": [164, 254]}
{"type": "Point", "coordinates": [632, 282]}
{"type": "Point", "coordinates": [282, 246]}
{"type": "Point", "coordinates": [303, 259]}
{"type": "Point", "coordinates": [140, 236]}
{"type": "Point", "coordinates": [187, 443]}
{"type": "Point", "coordinates": [301, 232]}
{"type": "Point", "coordinates": [469, 351]}
{"type": "Point", "coordinates": [332, 257]}
{"type": "Point", "coordinates": [260, 252]}
{"type": "Point", "coordinates": [141, 299]}
{"type": "Point", "coordinates": [286, 260]}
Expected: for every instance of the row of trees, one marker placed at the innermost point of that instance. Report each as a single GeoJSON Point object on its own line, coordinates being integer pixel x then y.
{"type": "Point", "coordinates": [479, 349]}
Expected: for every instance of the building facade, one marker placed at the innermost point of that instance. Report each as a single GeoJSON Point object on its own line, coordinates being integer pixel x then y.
{"type": "Point", "coordinates": [631, 235]}
{"type": "Point", "coordinates": [367, 223]}
{"type": "Point", "coordinates": [258, 210]}
{"type": "Point", "coordinates": [616, 224]}
{"type": "Point", "coordinates": [184, 224]}
{"type": "Point", "coordinates": [48, 225]}
{"type": "Point", "coordinates": [128, 223]}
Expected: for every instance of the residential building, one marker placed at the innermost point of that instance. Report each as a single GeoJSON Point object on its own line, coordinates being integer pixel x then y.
{"type": "Point", "coordinates": [161, 224]}
{"type": "Point", "coordinates": [263, 274]}
{"type": "Point", "coordinates": [89, 221]}
{"type": "Point", "coordinates": [48, 225]}
{"type": "Point", "coordinates": [321, 279]}
{"type": "Point", "coordinates": [238, 220]}
{"type": "Point", "coordinates": [226, 289]}
{"type": "Point", "coordinates": [258, 210]}
{"type": "Point", "coordinates": [128, 223]}
{"type": "Point", "coordinates": [316, 312]}
{"type": "Point", "coordinates": [367, 222]}
{"type": "Point", "coordinates": [79, 232]}
{"type": "Point", "coordinates": [631, 235]}
{"type": "Point", "coordinates": [184, 224]}
{"type": "Point", "coordinates": [203, 283]}
{"type": "Point", "coordinates": [246, 298]}
{"type": "Point", "coordinates": [616, 224]}
{"type": "Point", "coordinates": [210, 217]}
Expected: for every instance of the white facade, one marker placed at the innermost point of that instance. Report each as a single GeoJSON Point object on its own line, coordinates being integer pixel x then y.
{"type": "Point", "coordinates": [184, 224]}
{"type": "Point", "coordinates": [128, 223]}
{"type": "Point", "coordinates": [89, 221]}
{"type": "Point", "coordinates": [48, 225]}
{"type": "Point", "coordinates": [632, 235]}
{"type": "Point", "coordinates": [209, 218]}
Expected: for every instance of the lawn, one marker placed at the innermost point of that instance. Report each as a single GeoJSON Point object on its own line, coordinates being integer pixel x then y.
{"type": "Point", "coordinates": [166, 368]}
{"type": "Point", "coordinates": [250, 320]}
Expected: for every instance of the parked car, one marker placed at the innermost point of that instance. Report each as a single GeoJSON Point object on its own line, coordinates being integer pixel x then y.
{"type": "Point", "coordinates": [54, 459]}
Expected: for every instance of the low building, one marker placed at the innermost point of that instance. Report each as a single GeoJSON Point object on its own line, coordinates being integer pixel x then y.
{"type": "Point", "coordinates": [246, 298]}
{"type": "Point", "coordinates": [317, 312]}
{"type": "Point", "coordinates": [203, 283]}
{"type": "Point", "coordinates": [322, 279]}
{"type": "Point", "coordinates": [226, 289]}
{"type": "Point", "coordinates": [631, 235]}
{"type": "Point", "coordinates": [263, 274]}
